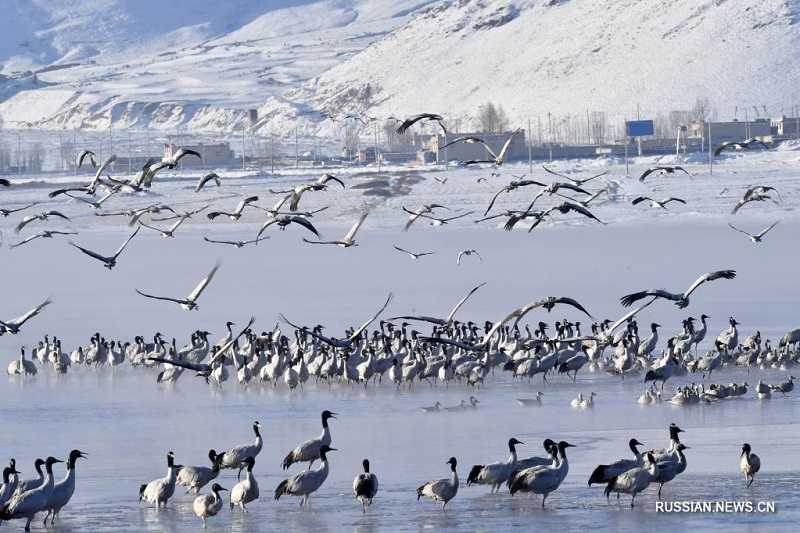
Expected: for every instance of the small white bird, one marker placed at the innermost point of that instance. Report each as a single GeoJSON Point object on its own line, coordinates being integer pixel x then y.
{"type": "Point", "coordinates": [160, 490]}
{"type": "Point", "coordinates": [365, 486]}
{"type": "Point", "coordinates": [576, 402]}
{"type": "Point", "coordinates": [190, 302]}
{"type": "Point", "coordinates": [246, 490]}
{"type": "Point", "coordinates": [467, 252]}
{"type": "Point", "coordinates": [536, 400]}
{"type": "Point", "coordinates": [435, 408]}
{"type": "Point", "coordinates": [441, 490]}
{"type": "Point", "coordinates": [588, 402]}
{"type": "Point", "coordinates": [413, 255]}
{"type": "Point", "coordinates": [207, 505]}
{"type": "Point", "coordinates": [750, 464]}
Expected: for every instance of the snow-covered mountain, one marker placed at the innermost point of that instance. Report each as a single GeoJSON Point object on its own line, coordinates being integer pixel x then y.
{"type": "Point", "coordinates": [201, 65]}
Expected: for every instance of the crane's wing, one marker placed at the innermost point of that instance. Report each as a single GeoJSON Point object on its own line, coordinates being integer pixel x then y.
{"type": "Point", "coordinates": [30, 314]}
{"type": "Point", "coordinates": [167, 298]}
{"type": "Point", "coordinates": [107, 163]}
{"type": "Point", "coordinates": [711, 276]}
{"type": "Point", "coordinates": [204, 283]}
{"type": "Point", "coordinates": [504, 150]}
{"type": "Point", "coordinates": [449, 318]}
{"type": "Point", "coordinates": [124, 244]}
{"type": "Point", "coordinates": [352, 233]}
{"type": "Point", "coordinates": [628, 299]}
{"type": "Point", "coordinates": [648, 172]}
{"type": "Point", "coordinates": [628, 316]}
{"type": "Point", "coordinates": [306, 224]}
{"type": "Point", "coordinates": [741, 230]}
{"type": "Point", "coordinates": [90, 253]}
{"type": "Point", "coordinates": [721, 147]}
{"type": "Point", "coordinates": [765, 230]}
{"type": "Point", "coordinates": [358, 332]}
{"type": "Point", "coordinates": [494, 198]}
{"type": "Point", "coordinates": [24, 222]}
{"type": "Point", "coordinates": [325, 178]}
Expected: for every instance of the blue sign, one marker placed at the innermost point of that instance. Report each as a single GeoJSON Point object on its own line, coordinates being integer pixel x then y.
{"type": "Point", "coordinates": [639, 128]}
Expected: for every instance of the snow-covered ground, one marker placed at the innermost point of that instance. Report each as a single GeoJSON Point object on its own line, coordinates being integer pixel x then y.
{"type": "Point", "coordinates": [201, 64]}
{"type": "Point", "coordinates": [127, 422]}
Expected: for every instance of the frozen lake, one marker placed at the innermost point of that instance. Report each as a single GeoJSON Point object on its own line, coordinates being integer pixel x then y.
{"type": "Point", "coordinates": [127, 422]}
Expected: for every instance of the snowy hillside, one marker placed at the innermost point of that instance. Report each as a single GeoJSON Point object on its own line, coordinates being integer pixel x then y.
{"type": "Point", "coordinates": [201, 64]}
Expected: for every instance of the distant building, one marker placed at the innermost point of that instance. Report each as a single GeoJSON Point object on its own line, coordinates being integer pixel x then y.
{"type": "Point", "coordinates": [730, 131]}
{"type": "Point", "coordinates": [212, 155]}
{"type": "Point", "coordinates": [784, 125]}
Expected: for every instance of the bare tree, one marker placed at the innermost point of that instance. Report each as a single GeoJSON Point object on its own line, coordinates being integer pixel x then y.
{"type": "Point", "coordinates": [597, 127]}
{"type": "Point", "coordinates": [492, 119]}
{"type": "Point", "coordinates": [702, 109]}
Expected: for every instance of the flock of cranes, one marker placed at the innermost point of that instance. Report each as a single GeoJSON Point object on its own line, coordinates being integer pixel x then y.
{"type": "Point", "coordinates": [397, 351]}
{"type": "Point", "coordinates": [540, 475]}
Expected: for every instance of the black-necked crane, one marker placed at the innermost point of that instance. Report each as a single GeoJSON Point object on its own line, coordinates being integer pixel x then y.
{"type": "Point", "coordinates": [307, 482]}
{"type": "Point", "coordinates": [236, 214]}
{"type": "Point", "coordinates": [45, 215]}
{"type": "Point", "coordinates": [207, 505]}
{"type": "Point", "coordinates": [635, 480]}
{"type": "Point", "coordinates": [755, 239]}
{"type": "Point", "coordinates": [190, 302]}
{"type": "Point", "coordinates": [64, 489]}
{"type": "Point", "coordinates": [236, 457]}
{"type": "Point", "coordinates": [309, 450]}
{"type": "Point", "coordinates": [160, 490]}
{"type": "Point", "coordinates": [350, 238]}
{"type": "Point", "coordinates": [495, 474]}
{"type": "Point", "coordinates": [171, 161]}
{"type": "Point", "coordinates": [27, 504]}
{"type": "Point", "coordinates": [604, 473]}
{"type": "Point", "coordinates": [663, 170]}
{"type": "Point", "coordinates": [13, 325]}
{"type": "Point", "coordinates": [656, 204]}
{"type": "Point", "coordinates": [418, 212]}
{"type": "Point", "coordinates": [739, 145]}
{"type": "Point", "coordinates": [410, 121]}
{"type": "Point", "coordinates": [680, 299]}
{"type": "Point", "coordinates": [750, 464]}
{"type": "Point", "coordinates": [755, 193]}
{"type": "Point", "coordinates": [543, 479]}
{"type": "Point", "coordinates": [205, 178]}
{"type": "Point", "coordinates": [365, 486]}
{"type": "Point", "coordinates": [441, 490]}
{"type": "Point", "coordinates": [108, 261]}
{"type": "Point", "coordinates": [496, 158]}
